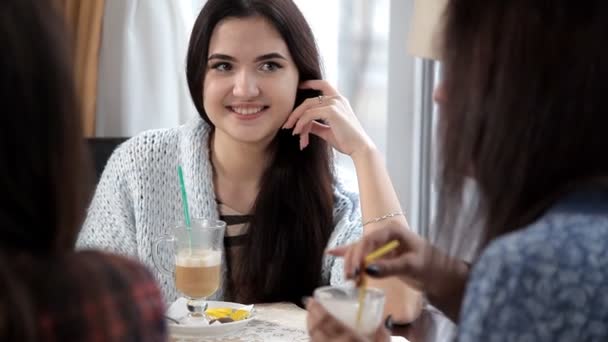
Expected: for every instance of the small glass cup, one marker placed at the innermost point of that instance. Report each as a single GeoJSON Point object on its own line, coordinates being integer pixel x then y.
{"type": "Point", "coordinates": [343, 304]}
{"type": "Point", "coordinates": [197, 261]}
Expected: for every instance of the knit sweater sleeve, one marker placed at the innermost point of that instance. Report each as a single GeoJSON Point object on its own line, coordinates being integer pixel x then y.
{"type": "Point", "coordinates": [347, 229]}
{"type": "Point", "coordinates": [110, 222]}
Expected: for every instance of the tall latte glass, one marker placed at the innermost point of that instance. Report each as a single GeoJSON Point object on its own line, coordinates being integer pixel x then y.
{"type": "Point", "coordinates": [196, 261]}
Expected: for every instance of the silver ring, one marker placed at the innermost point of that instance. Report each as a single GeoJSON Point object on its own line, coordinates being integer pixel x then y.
{"type": "Point", "coordinates": [320, 99]}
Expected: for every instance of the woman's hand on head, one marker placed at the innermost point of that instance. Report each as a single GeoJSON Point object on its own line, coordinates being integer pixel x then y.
{"type": "Point", "coordinates": [324, 327]}
{"type": "Point", "coordinates": [340, 127]}
{"type": "Point", "coordinates": [408, 261]}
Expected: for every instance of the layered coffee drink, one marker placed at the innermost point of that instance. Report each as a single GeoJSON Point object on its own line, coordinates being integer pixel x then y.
{"type": "Point", "coordinates": [197, 272]}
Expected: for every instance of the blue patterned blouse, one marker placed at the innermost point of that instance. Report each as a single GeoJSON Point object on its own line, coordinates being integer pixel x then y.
{"type": "Point", "coordinates": [547, 282]}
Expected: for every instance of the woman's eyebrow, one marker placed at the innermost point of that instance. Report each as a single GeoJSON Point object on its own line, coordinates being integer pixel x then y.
{"type": "Point", "coordinates": [270, 56]}
{"type": "Point", "coordinates": [263, 57]}
{"type": "Point", "coordinates": [222, 57]}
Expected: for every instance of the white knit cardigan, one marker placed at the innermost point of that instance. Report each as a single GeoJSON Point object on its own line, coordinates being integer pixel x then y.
{"type": "Point", "coordinates": [138, 200]}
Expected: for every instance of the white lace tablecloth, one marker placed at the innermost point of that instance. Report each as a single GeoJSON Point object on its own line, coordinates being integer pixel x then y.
{"type": "Point", "coordinates": [277, 322]}
{"type": "Point", "coordinates": [272, 322]}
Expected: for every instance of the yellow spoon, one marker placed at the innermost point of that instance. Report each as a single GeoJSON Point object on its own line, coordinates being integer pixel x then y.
{"type": "Point", "coordinates": [368, 259]}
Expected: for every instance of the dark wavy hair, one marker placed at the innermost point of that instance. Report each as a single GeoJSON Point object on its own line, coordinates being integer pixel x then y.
{"type": "Point", "coordinates": [525, 112]}
{"type": "Point", "coordinates": [44, 178]}
{"type": "Point", "coordinates": [292, 215]}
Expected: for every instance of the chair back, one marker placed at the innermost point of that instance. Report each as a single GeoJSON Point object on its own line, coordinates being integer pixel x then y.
{"type": "Point", "coordinates": [101, 150]}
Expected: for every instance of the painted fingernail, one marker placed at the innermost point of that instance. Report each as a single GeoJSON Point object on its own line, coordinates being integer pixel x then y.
{"type": "Point", "coordinates": [373, 270]}
{"type": "Point", "coordinates": [388, 323]}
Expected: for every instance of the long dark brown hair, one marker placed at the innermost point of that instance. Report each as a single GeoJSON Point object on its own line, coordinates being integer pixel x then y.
{"type": "Point", "coordinates": [292, 215]}
{"type": "Point", "coordinates": [525, 112]}
{"type": "Point", "coordinates": [44, 178]}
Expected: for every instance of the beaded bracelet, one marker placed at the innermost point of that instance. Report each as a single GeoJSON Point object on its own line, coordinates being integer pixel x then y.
{"type": "Point", "coordinates": [384, 217]}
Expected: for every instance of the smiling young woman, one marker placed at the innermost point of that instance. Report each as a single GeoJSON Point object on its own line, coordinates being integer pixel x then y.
{"type": "Point", "coordinates": [258, 157]}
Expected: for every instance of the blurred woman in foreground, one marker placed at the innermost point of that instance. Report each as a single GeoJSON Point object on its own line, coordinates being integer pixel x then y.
{"type": "Point", "coordinates": [47, 291]}
{"type": "Point", "coordinates": [523, 114]}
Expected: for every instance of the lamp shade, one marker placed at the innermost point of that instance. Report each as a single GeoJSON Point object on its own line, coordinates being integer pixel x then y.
{"type": "Point", "coordinates": [426, 29]}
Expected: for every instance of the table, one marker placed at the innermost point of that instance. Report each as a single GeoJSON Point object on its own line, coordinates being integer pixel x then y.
{"type": "Point", "coordinates": [431, 326]}
{"type": "Point", "coordinates": [287, 322]}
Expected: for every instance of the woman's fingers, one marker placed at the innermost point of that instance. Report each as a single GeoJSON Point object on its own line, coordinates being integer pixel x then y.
{"type": "Point", "coordinates": [309, 103]}
{"type": "Point", "coordinates": [329, 95]}
{"type": "Point", "coordinates": [315, 315]}
{"type": "Point", "coordinates": [389, 264]}
{"type": "Point", "coordinates": [387, 267]}
{"type": "Point", "coordinates": [304, 138]}
{"type": "Point", "coordinates": [354, 255]}
{"type": "Point", "coordinates": [320, 323]}
{"type": "Point", "coordinates": [350, 264]}
{"type": "Point", "coordinates": [382, 334]}
{"type": "Point", "coordinates": [318, 129]}
{"type": "Point", "coordinates": [407, 261]}
{"type": "Point", "coordinates": [299, 110]}
{"type": "Point", "coordinates": [335, 121]}
{"type": "Point", "coordinates": [339, 251]}
{"type": "Point", "coordinates": [322, 131]}
{"type": "Point", "coordinates": [309, 116]}
{"type": "Point", "coordinates": [323, 86]}
{"type": "Point", "coordinates": [355, 261]}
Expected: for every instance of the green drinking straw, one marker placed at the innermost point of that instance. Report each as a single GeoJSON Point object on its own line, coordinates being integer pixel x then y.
{"type": "Point", "coordinates": [185, 204]}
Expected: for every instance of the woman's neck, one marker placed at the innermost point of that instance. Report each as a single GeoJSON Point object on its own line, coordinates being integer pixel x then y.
{"type": "Point", "coordinates": [238, 169]}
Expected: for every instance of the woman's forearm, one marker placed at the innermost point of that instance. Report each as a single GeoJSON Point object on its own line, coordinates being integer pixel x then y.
{"type": "Point", "coordinates": [376, 193]}
{"type": "Point", "coordinates": [378, 198]}
{"type": "Point", "coordinates": [446, 283]}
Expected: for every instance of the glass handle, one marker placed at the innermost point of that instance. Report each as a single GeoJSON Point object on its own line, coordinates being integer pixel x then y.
{"type": "Point", "coordinates": [156, 254]}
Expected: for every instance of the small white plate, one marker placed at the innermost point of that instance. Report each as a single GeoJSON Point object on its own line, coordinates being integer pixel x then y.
{"type": "Point", "coordinates": [186, 330]}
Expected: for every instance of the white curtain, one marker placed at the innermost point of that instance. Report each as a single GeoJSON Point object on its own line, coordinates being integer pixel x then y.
{"type": "Point", "coordinates": [142, 83]}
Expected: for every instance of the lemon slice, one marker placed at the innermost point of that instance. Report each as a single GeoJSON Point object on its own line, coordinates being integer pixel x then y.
{"type": "Point", "coordinates": [234, 314]}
